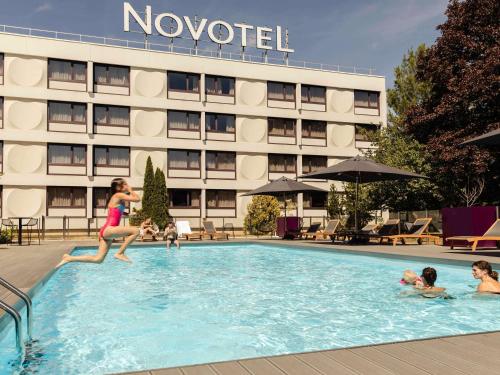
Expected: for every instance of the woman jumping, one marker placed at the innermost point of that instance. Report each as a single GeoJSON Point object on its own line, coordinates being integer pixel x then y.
{"type": "Point", "coordinates": [120, 192]}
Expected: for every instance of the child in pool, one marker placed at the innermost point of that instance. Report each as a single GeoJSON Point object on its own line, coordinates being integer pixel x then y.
{"type": "Point", "coordinates": [411, 278]}
{"type": "Point", "coordinates": [428, 288]}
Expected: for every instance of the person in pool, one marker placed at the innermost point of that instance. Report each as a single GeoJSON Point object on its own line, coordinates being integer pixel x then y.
{"type": "Point", "coordinates": [481, 270]}
{"type": "Point", "coordinates": [120, 192]}
{"type": "Point", "coordinates": [428, 287]}
{"type": "Point", "coordinates": [411, 278]}
{"type": "Point", "coordinates": [171, 235]}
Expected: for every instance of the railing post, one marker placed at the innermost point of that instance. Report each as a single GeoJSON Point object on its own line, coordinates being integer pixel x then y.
{"type": "Point", "coordinates": [43, 227]}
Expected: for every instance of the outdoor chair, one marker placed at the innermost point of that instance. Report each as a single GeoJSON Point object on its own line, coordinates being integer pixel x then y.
{"type": "Point", "coordinates": [389, 228]}
{"type": "Point", "coordinates": [209, 229]}
{"type": "Point", "coordinates": [11, 227]}
{"type": "Point", "coordinates": [31, 225]}
{"type": "Point", "coordinates": [184, 230]}
{"type": "Point", "coordinates": [311, 231]}
{"type": "Point", "coordinates": [418, 231]}
{"type": "Point", "coordinates": [492, 234]}
{"type": "Point", "coordinates": [364, 232]}
{"type": "Point", "coordinates": [329, 231]}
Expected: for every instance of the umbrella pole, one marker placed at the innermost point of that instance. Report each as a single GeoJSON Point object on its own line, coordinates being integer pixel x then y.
{"type": "Point", "coordinates": [356, 206]}
{"type": "Point", "coordinates": [286, 226]}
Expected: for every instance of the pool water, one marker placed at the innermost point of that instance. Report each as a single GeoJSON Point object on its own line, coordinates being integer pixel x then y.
{"type": "Point", "coordinates": [217, 302]}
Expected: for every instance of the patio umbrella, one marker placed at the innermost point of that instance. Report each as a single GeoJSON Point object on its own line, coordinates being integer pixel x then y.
{"type": "Point", "coordinates": [489, 139]}
{"type": "Point", "coordinates": [282, 187]}
{"type": "Point", "coordinates": [361, 170]}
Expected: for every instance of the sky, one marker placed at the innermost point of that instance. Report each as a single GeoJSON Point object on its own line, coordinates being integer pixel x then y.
{"type": "Point", "coordinates": [363, 33]}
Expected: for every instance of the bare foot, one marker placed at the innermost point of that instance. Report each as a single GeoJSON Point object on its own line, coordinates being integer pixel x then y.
{"type": "Point", "coordinates": [122, 257]}
{"type": "Point", "coordinates": [63, 261]}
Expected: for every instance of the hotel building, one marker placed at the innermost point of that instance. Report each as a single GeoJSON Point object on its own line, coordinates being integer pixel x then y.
{"type": "Point", "coordinates": [73, 115]}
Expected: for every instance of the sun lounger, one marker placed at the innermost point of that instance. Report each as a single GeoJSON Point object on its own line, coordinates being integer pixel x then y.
{"type": "Point", "coordinates": [389, 228]}
{"type": "Point", "coordinates": [209, 229]}
{"type": "Point", "coordinates": [184, 230]}
{"type": "Point", "coordinates": [329, 231]}
{"type": "Point", "coordinates": [418, 231]}
{"type": "Point", "coordinates": [311, 231]}
{"type": "Point", "coordinates": [492, 234]}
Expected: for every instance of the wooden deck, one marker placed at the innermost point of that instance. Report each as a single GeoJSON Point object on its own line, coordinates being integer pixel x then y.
{"type": "Point", "coordinates": [469, 354]}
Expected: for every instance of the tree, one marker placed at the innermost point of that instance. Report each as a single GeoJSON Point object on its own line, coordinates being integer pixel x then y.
{"type": "Point", "coordinates": [262, 213]}
{"type": "Point", "coordinates": [342, 204]}
{"type": "Point", "coordinates": [148, 189]}
{"type": "Point", "coordinates": [400, 150]}
{"type": "Point", "coordinates": [160, 214]}
{"type": "Point", "coordinates": [335, 203]}
{"type": "Point", "coordinates": [463, 69]}
{"type": "Point", "coordinates": [408, 91]}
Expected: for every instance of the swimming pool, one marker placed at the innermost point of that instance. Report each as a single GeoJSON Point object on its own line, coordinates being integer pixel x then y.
{"type": "Point", "coordinates": [217, 302]}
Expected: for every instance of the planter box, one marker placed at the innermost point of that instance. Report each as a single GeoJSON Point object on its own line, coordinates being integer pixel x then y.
{"type": "Point", "coordinates": [468, 221]}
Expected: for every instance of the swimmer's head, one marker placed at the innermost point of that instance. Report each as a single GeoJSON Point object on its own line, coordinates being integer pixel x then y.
{"type": "Point", "coordinates": [429, 275]}
{"type": "Point", "coordinates": [409, 277]}
{"type": "Point", "coordinates": [482, 268]}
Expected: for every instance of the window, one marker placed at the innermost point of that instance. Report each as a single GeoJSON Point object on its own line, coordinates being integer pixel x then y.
{"type": "Point", "coordinates": [313, 163]}
{"type": "Point", "coordinates": [219, 123]}
{"type": "Point", "coordinates": [111, 115]}
{"type": "Point", "coordinates": [281, 127]}
{"type": "Point", "coordinates": [71, 113]}
{"type": "Point", "coordinates": [315, 199]}
{"type": "Point", "coordinates": [281, 91]}
{"type": "Point", "coordinates": [69, 71]}
{"type": "Point", "coordinates": [313, 94]}
{"type": "Point", "coordinates": [59, 154]}
{"type": "Point", "coordinates": [282, 163]}
{"type": "Point", "coordinates": [313, 129]}
{"type": "Point", "coordinates": [189, 82]}
{"type": "Point", "coordinates": [110, 156]}
{"type": "Point", "coordinates": [1, 63]}
{"type": "Point", "coordinates": [221, 199]}
{"type": "Point", "coordinates": [66, 197]}
{"type": "Point", "coordinates": [183, 159]}
{"type": "Point", "coordinates": [111, 75]}
{"type": "Point", "coordinates": [215, 85]}
{"type": "Point", "coordinates": [366, 99]}
{"type": "Point", "coordinates": [221, 161]}
{"type": "Point", "coordinates": [365, 131]}
{"type": "Point", "coordinates": [183, 198]}
{"type": "Point", "coordinates": [179, 120]}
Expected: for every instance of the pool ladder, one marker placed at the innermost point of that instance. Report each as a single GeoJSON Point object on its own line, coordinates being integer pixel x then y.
{"type": "Point", "coordinates": [15, 314]}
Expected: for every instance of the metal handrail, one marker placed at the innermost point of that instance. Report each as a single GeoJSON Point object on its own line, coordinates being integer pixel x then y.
{"type": "Point", "coordinates": [17, 321]}
{"type": "Point", "coordinates": [221, 55]}
{"type": "Point", "coordinates": [27, 301]}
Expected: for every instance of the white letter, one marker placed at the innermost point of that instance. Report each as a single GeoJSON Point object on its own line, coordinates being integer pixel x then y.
{"type": "Point", "coordinates": [128, 10]}
{"type": "Point", "coordinates": [229, 28]}
{"type": "Point", "coordinates": [261, 37]}
{"type": "Point", "coordinates": [243, 28]}
{"type": "Point", "coordinates": [179, 27]}
{"type": "Point", "coordinates": [278, 41]}
{"type": "Point", "coordinates": [196, 34]}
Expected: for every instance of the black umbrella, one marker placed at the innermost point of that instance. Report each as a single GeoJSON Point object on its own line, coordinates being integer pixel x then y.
{"type": "Point", "coordinates": [282, 187]}
{"type": "Point", "coordinates": [361, 170]}
{"type": "Point", "coordinates": [489, 139]}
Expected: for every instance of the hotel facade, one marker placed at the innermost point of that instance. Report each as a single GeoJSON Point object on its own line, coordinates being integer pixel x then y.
{"type": "Point", "coordinates": [74, 115]}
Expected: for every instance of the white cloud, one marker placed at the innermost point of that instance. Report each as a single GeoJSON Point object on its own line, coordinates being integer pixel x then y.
{"type": "Point", "coordinates": [44, 7]}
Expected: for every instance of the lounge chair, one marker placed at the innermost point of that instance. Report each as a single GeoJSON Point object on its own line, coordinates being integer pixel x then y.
{"type": "Point", "coordinates": [209, 229]}
{"type": "Point", "coordinates": [364, 233]}
{"type": "Point", "coordinates": [492, 234]}
{"type": "Point", "coordinates": [417, 231]}
{"type": "Point", "coordinates": [184, 230]}
{"type": "Point", "coordinates": [389, 228]}
{"type": "Point", "coordinates": [330, 230]}
{"type": "Point", "coordinates": [311, 231]}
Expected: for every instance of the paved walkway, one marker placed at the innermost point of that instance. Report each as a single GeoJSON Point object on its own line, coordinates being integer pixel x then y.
{"type": "Point", "coordinates": [25, 266]}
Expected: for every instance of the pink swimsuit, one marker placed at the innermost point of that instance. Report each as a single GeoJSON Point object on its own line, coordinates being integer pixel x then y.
{"type": "Point", "coordinates": [113, 219]}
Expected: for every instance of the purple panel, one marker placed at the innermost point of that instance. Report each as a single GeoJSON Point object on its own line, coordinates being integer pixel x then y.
{"type": "Point", "coordinates": [293, 225]}
{"type": "Point", "coordinates": [468, 221]}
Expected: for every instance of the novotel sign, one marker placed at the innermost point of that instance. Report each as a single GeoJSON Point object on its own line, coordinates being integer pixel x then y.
{"type": "Point", "coordinates": [177, 24]}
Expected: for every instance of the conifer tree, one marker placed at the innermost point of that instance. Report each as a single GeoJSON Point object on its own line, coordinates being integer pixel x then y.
{"type": "Point", "coordinates": [160, 212]}
{"type": "Point", "coordinates": [148, 190]}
